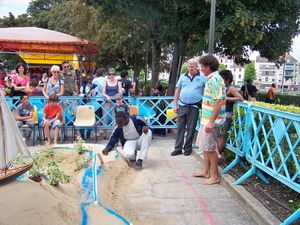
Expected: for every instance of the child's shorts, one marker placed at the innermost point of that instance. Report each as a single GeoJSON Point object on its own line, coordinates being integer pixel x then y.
{"type": "Point", "coordinates": [54, 123]}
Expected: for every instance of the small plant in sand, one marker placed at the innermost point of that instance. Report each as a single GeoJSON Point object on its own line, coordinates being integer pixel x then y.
{"type": "Point", "coordinates": [18, 160]}
{"type": "Point", "coordinates": [45, 164]}
{"type": "Point", "coordinates": [81, 162]}
{"type": "Point", "coordinates": [37, 166]}
{"type": "Point", "coordinates": [55, 175]}
{"type": "Point", "coordinates": [78, 145]}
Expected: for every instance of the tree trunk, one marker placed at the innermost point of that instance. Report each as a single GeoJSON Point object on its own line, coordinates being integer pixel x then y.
{"type": "Point", "coordinates": [136, 74]}
{"type": "Point", "coordinates": [178, 54]}
{"type": "Point", "coordinates": [156, 54]}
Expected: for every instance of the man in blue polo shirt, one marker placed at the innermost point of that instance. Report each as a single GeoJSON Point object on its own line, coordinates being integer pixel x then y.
{"type": "Point", "coordinates": [187, 101]}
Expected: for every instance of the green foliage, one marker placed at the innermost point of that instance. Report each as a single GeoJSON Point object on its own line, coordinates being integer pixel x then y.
{"type": "Point", "coordinates": [294, 205]}
{"type": "Point", "coordinates": [283, 99]}
{"type": "Point", "coordinates": [285, 108]}
{"type": "Point", "coordinates": [285, 144]}
{"type": "Point", "coordinates": [184, 69]}
{"type": "Point", "coordinates": [142, 75]}
{"type": "Point", "coordinates": [79, 145]}
{"type": "Point", "coordinates": [11, 21]}
{"type": "Point", "coordinates": [222, 67]}
{"type": "Point", "coordinates": [45, 164]}
{"type": "Point", "coordinates": [55, 175]}
{"type": "Point", "coordinates": [81, 162]}
{"type": "Point", "coordinates": [247, 25]}
{"type": "Point", "coordinates": [250, 72]}
{"type": "Point", "coordinates": [39, 12]}
{"type": "Point", "coordinates": [147, 90]}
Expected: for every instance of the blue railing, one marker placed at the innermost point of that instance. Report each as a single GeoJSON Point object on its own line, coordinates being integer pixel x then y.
{"type": "Point", "coordinates": [270, 141]}
{"type": "Point", "coordinates": [158, 111]}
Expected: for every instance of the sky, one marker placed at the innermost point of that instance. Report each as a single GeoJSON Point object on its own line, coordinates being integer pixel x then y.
{"type": "Point", "coordinates": [18, 7]}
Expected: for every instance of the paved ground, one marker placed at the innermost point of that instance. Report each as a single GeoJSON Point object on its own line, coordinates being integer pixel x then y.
{"type": "Point", "coordinates": [166, 193]}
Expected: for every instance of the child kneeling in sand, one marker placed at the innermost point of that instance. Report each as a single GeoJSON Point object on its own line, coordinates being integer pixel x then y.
{"type": "Point", "coordinates": [52, 117]}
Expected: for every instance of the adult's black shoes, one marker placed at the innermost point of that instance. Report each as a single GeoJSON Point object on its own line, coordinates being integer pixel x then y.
{"type": "Point", "coordinates": [176, 152]}
{"type": "Point", "coordinates": [186, 153]}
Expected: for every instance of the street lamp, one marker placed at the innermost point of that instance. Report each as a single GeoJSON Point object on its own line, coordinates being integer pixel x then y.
{"type": "Point", "coordinates": [212, 27]}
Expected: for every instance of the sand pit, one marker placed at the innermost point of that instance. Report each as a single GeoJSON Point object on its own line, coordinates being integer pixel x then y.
{"type": "Point", "coordinates": [27, 202]}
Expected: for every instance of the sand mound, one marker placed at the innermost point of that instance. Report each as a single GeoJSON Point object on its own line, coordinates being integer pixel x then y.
{"type": "Point", "coordinates": [28, 202]}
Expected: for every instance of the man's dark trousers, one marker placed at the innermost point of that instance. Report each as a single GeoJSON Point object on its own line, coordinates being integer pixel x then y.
{"type": "Point", "coordinates": [187, 120]}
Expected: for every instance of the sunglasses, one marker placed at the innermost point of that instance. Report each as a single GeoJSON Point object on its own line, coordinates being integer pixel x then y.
{"type": "Point", "coordinates": [66, 66]}
{"type": "Point", "coordinates": [55, 71]}
{"type": "Point", "coordinates": [111, 74]}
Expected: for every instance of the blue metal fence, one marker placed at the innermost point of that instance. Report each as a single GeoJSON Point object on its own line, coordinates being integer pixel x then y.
{"type": "Point", "coordinates": [269, 140]}
{"type": "Point", "coordinates": [158, 111]}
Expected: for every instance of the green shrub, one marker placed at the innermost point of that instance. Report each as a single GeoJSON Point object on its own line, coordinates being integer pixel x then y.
{"type": "Point", "coordinates": [283, 99]}
{"type": "Point", "coordinates": [284, 144]}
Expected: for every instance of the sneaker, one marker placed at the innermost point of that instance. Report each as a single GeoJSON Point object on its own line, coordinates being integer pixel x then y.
{"type": "Point", "coordinates": [176, 152]}
{"type": "Point", "coordinates": [138, 165]}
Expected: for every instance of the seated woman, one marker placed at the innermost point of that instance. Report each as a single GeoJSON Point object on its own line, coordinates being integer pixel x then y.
{"type": "Point", "coordinates": [52, 117]}
{"type": "Point", "coordinates": [20, 80]}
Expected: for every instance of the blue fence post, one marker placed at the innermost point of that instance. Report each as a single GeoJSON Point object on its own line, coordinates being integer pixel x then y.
{"type": "Point", "coordinates": [292, 218]}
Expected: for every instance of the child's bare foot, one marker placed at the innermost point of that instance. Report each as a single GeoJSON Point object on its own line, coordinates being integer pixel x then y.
{"type": "Point", "coordinates": [212, 180]}
{"type": "Point", "coordinates": [201, 174]}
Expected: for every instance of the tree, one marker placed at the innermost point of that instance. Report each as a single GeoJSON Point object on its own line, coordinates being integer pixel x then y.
{"type": "Point", "coordinates": [222, 67]}
{"type": "Point", "coordinates": [123, 28]}
{"type": "Point", "coordinates": [39, 12]}
{"type": "Point", "coordinates": [242, 26]}
{"type": "Point", "coordinates": [9, 21]}
{"type": "Point", "coordinates": [250, 72]}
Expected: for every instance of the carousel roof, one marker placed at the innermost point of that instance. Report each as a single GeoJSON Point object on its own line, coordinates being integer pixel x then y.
{"type": "Point", "coordinates": [33, 39]}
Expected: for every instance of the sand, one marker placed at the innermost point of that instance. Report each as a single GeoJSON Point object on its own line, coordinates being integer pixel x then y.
{"type": "Point", "coordinates": [29, 203]}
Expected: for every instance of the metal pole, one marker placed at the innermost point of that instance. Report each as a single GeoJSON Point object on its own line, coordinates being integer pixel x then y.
{"type": "Point", "coordinates": [212, 27]}
{"type": "Point", "coordinates": [282, 83]}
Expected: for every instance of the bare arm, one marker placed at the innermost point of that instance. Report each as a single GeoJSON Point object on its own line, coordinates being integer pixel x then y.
{"type": "Point", "coordinates": [44, 91]}
{"type": "Point", "coordinates": [119, 88]}
{"type": "Point", "coordinates": [104, 93]}
{"type": "Point", "coordinates": [76, 88]}
{"type": "Point", "coordinates": [176, 97]}
{"type": "Point", "coordinates": [62, 89]}
{"type": "Point", "coordinates": [237, 97]}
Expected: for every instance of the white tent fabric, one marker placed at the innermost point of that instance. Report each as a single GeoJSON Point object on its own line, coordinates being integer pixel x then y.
{"type": "Point", "coordinates": [11, 140]}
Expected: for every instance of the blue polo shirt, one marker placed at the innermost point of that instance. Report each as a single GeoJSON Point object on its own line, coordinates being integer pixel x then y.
{"type": "Point", "coordinates": [191, 89]}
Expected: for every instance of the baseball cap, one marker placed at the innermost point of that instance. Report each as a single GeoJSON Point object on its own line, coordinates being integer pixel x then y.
{"type": "Point", "coordinates": [120, 112]}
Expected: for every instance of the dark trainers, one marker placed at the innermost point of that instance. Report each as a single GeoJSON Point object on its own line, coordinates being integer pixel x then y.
{"type": "Point", "coordinates": [176, 152]}
{"type": "Point", "coordinates": [138, 165]}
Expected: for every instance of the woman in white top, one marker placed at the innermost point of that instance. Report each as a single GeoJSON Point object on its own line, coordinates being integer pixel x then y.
{"type": "Point", "coordinates": [54, 85]}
